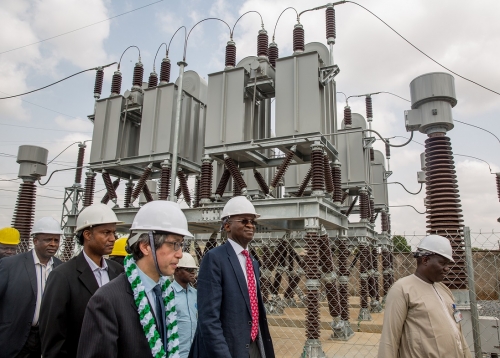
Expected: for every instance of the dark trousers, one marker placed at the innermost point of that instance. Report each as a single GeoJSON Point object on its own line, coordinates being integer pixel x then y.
{"type": "Point", "coordinates": [254, 350]}
{"type": "Point", "coordinates": [32, 347]}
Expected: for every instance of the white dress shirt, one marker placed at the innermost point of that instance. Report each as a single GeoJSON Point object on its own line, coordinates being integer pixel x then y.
{"type": "Point", "coordinates": [100, 272]}
{"type": "Point", "coordinates": [241, 258]}
{"type": "Point", "coordinates": [42, 272]}
{"type": "Point", "coordinates": [149, 285]}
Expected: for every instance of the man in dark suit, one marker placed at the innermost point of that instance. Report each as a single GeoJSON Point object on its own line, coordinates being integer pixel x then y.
{"type": "Point", "coordinates": [117, 315]}
{"type": "Point", "coordinates": [232, 319]}
{"type": "Point", "coordinates": [71, 285]}
{"type": "Point", "coordinates": [22, 284]}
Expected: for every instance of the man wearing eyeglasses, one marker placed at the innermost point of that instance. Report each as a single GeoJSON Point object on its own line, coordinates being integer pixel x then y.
{"type": "Point", "coordinates": [185, 302]}
{"type": "Point", "coordinates": [70, 286]}
{"type": "Point", "coordinates": [22, 284]}
{"type": "Point", "coordinates": [232, 319]}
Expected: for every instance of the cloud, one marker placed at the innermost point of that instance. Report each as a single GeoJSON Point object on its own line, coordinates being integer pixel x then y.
{"type": "Point", "coordinates": [76, 124]}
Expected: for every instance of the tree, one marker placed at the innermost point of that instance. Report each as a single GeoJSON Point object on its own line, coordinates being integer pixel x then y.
{"type": "Point", "coordinates": [400, 244]}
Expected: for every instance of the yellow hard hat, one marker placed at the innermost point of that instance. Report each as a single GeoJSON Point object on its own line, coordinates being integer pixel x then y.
{"type": "Point", "coordinates": [9, 236]}
{"type": "Point", "coordinates": [119, 248]}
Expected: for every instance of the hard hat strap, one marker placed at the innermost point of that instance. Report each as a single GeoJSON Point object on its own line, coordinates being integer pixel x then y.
{"type": "Point", "coordinates": [153, 251]}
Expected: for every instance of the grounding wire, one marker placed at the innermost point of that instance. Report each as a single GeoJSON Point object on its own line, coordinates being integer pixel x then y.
{"type": "Point", "coordinates": [41, 88]}
{"type": "Point", "coordinates": [422, 52]}
{"type": "Point", "coordinates": [411, 206]}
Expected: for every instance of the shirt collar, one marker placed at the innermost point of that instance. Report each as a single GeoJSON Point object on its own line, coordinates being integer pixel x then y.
{"type": "Point", "coordinates": [237, 247]}
{"type": "Point", "coordinates": [147, 281]}
{"type": "Point", "coordinates": [93, 265]}
{"type": "Point", "coordinates": [178, 288]}
{"type": "Point", "coordinates": [37, 260]}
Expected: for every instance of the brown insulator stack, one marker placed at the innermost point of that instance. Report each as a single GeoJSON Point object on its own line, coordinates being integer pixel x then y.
{"type": "Point", "coordinates": [165, 70]}
{"type": "Point", "coordinates": [110, 189]}
{"type": "Point", "coordinates": [328, 268]}
{"type": "Point", "coordinates": [88, 196]}
{"type": "Point", "coordinates": [364, 266]}
{"type": "Point", "coordinates": [345, 194]}
{"type": "Point", "coordinates": [99, 78]}
{"type": "Point", "coordinates": [375, 258]}
{"type": "Point", "coordinates": [24, 213]}
{"type": "Point", "coordinates": [116, 83]}
{"type": "Point", "coordinates": [354, 201]}
{"type": "Point", "coordinates": [147, 193]}
{"type": "Point", "coordinates": [235, 173]}
{"type": "Point", "coordinates": [197, 191]}
{"type": "Point", "coordinates": [384, 223]}
{"type": "Point", "coordinates": [153, 80]}
{"type": "Point", "coordinates": [211, 243]}
{"type": "Point", "coordinates": [260, 180]}
{"type": "Point", "coordinates": [305, 183]}
{"type": "Point", "coordinates": [282, 169]}
{"type": "Point", "coordinates": [79, 163]}
{"type": "Point", "coordinates": [386, 266]}
{"type": "Point", "coordinates": [293, 277]}
{"type": "Point", "coordinates": [141, 182]}
{"type": "Point", "coordinates": [391, 260]}
{"type": "Point", "coordinates": [328, 174]}
{"type": "Point", "coordinates": [178, 192]}
{"type": "Point", "coordinates": [262, 43]}
{"type": "Point", "coordinates": [166, 170]}
{"type": "Point", "coordinates": [369, 108]}
{"type": "Point", "coordinates": [298, 38]}
{"type": "Point", "coordinates": [106, 197]}
{"type": "Point", "coordinates": [236, 188]}
{"type": "Point", "coordinates": [364, 205]}
{"type": "Point", "coordinates": [313, 273]}
{"type": "Point", "coordinates": [387, 149]}
{"type": "Point", "coordinates": [371, 278]}
{"type": "Point", "coordinates": [223, 183]}
{"type": "Point", "coordinates": [280, 258]}
{"type": "Point", "coordinates": [372, 154]}
{"type": "Point", "coordinates": [347, 117]}
{"type": "Point", "coordinates": [138, 75]}
{"type": "Point", "coordinates": [198, 252]}
{"type": "Point", "coordinates": [230, 54]}
{"type": "Point", "coordinates": [69, 245]}
{"type": "Point", "coordinates": [330, 24]}
{"type": "Point", "coordinates": [337, 183]}
{"type": "Point", "coordinates": [444, 215]}
{"type": "Point", "coordinates": [343, 263]}
{"type": "Point", "coordinates": [128, 193]}
{"type": "Point", "coordinates": [184, 186]}
{"type": "Point", "coordinates": [318, 170]}
{"type": "Point", "coordinates": [206, 179]}
{"type": "Point", "coordinates": [273, 52]}
{"type": "Point", "coordinates": [372, 210]}
{"type": "Point", "coordinates": [498, 185]}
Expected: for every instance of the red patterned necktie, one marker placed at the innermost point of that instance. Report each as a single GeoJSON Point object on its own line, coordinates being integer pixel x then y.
{"type": "Point", "coordinates": [252, 292]}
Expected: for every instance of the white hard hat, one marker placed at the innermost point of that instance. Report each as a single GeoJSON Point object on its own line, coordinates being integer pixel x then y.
{"type": "Point", "coordinates": [46, 225]}
{"type": "Point", "coordinates": [238, 205]}
{"type": "Point", "coordinates": [187, 261]}
{"type": "Point", "coordinates": [96, 214]}
{"type": "Point", "coordinates": [161, 215]}
{"type": "Point", "coordinates": [438, 245]}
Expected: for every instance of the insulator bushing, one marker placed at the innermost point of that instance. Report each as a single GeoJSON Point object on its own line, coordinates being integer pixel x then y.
{"type": "Point", "coordinates": [375, 260]}
{"type": "Point", "coordinates": [364, 205]}
{"type": "Point", "coordinates": [298, 38]}
{"type": "Point", "coordinates": [206, 178]}
{"type": "Point", "coordinates": [165, 174]}
{"type": "Point", "coordinates": [221, 188]}
{"type": "Point", "coordinates": [99, 78]}
{"type": "Point", "coordinates": [138, 75]}
{"type": "Point", "coordinates": [153, 80]}
{"type": "Point", "coordinates": [330, 24]}
{"type": "Point", "coordinates": [311, 266]}
{"type": "Point", "coordinates": [178, 192]}
{"type": "Point", "coordinates": [369, 107]}
{"type": "Point", "coordinates": [282, 169]}
{"type": "Point", "coordinates": [273, 52]}
{"type": "Point", "coordinates": [197, 192]}
{"type": "Point", "coordinates": [109, 185]}
{"type": "Point", "coordinates": [386, 265]}
{"type": "Point", "coordinates": [230, 54]}
{"type": "Point", "coordinates": [235, 172]}
{"type": "Point", "coordinates": [147, 193]}
{"type": "Point", "coordinates": [165, 70]}
{"type": "Point", "coordinates": [128, 194]}
{"type": "Point", "coordinates": [328, 174]}
{"type": "Point", "coordinates": [88, 196]}
{"type": "Point", "coordinates": [106, 197]}
{"type": "Point", "coordinates": [236, 188]}
{"type": "Point", "coordinates": [79, 163]}
{"type": "Point", "coordinates": [354, 201]}
{"type": "Point", "coordinates": [262, 43]}
{"type": "Point", "coordinates": [116, 83]}
{"type": "Point", "coordinates": [372, 210]}
{"type": "Point", "coordinates": [363, 269]}
{"type": "Point", "coordinates": [371, 278]}
{"type": "Point", "coordinates": [498, 185]}
{"type": "Point", "coordinates": [184, 186]}
{"type": "Point", "coordinates": [318, 170]}
{"type": "Point", "coordinates": [387, 149]}
{"type": "Point", "coordinates": [305, 183]}
{"type": "Point", "coordinates": [372, 154]}
{"type": "Point", "coordinates": [389, 223]}
{"type": "Point", "coordinates": [141, 182]}
{"type": "Point", "coordinates": [24, 212]}
{"type": "Point", "coordinates": [260, 180]}
{"type": "Point", "coordinates": [343, 258]}
{"type": "Point", "coordinates": [444, 215]}
{"type": "Point", "coordinates": [384, 221]}
{"type": "Point", "coordinates": [337, 183]}
{"type": "Point", "coordinates": [347, 116]}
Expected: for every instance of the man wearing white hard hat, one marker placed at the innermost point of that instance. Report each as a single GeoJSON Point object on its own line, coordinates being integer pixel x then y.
{"type": "Point", "coordinates": [185, 302]}
{"type": "Point", "coordinates": [22, 284]}
{"type": "Point", "coordinates": [134, 315]}
{"type": "Point", "coordinates": [71, 285]}
{"type": "Point", "coordinates": [421, 318]}
{"type": "Point", "coordinates": [232, 319]}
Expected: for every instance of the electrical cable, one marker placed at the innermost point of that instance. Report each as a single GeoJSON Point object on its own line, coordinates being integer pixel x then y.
{"type": "Point", "coordinates": [123, 53]}
{"type": "Point", "coordinates": [261, 20]}
{"type": "Point", "coordinates": [411, 206]}
{"type": "Point", "coordinates": [62, 152]}
{"type": "Point", "coordinates": [81, 28]}
{"type": "Point", "coordinates": [409, 192]}
{"type": "Point", "coordinates": [470, 156]}
{"type": "Point", "coordinates": [41, 88]}
{"type": "Point", "coordinates": [422, 52]}
{"type": "Point", "coordinates": [46, 129]}
{"type": "Point", "coordinates": [467, 124]}
{"type": "Point", "coordinates": [199, 22]}
{"type": "Point", "coordinates": [374, 93]}
{"type": "Point", "coordinates": [389, 144]}
{"type": "Point", "coordinates": [59, 170]}
{"type": "Point", "coordinates": [43, 196]}
{"type": "Point", "coordinates": [290, 7]}
{"type": "Point", "coordinates": [48, 109]}
{"type": "Point", "coordinates": [185, 30]}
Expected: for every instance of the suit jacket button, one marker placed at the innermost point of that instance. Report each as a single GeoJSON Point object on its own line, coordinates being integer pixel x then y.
{"type": "Point", "coordinates": [247, 346]}
{"type": "Point", "coordinates": [249, 323]}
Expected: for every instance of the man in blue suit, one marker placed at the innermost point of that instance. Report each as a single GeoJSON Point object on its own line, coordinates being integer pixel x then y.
{"type": "Point", "coordinates": [232, 319]}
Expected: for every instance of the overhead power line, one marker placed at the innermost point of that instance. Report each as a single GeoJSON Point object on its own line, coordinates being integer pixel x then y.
{"type": "Point", "coordinates": [44, 129]}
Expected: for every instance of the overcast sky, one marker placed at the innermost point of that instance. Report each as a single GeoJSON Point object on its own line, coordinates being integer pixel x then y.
{"type": "Point", "coordinates": [462, 35]}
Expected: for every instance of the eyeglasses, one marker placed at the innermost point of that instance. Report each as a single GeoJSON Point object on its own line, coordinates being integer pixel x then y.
{"type": "Point", "coordinates": [175, 244]}
{"type": "Point", "coordinates": [190, 270]}
{"type": "Point", "coordinates": [245, 222]}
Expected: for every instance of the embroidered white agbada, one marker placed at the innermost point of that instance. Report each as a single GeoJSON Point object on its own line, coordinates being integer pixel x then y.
{"type": "Point", "coordinates": [419, 322]}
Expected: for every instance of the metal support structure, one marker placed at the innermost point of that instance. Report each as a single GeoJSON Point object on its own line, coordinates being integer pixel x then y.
{"type": "Point", "coordinates": [72, 204]}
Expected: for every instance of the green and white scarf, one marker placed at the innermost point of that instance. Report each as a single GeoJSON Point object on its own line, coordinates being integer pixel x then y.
{"type": "Point", "coordinates": [146, 315]}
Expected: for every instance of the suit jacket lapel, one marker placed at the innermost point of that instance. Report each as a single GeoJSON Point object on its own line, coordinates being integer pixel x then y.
{"type": "Point", "coordinates": [240, 277]}
{"type": "Point", "coordinates": [86, 275]}
{"type": "Point", "coordinates": [29, 263]}
{"type": "Point", "coordinates": [112, 273]}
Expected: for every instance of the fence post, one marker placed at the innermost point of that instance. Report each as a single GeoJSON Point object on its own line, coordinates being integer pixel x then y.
{"type": "Point", "coordinates": [472, 294]}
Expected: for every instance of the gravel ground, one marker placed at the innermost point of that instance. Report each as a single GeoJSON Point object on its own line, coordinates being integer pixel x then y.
{"type": "Point", "coordinates": [489, 308]}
